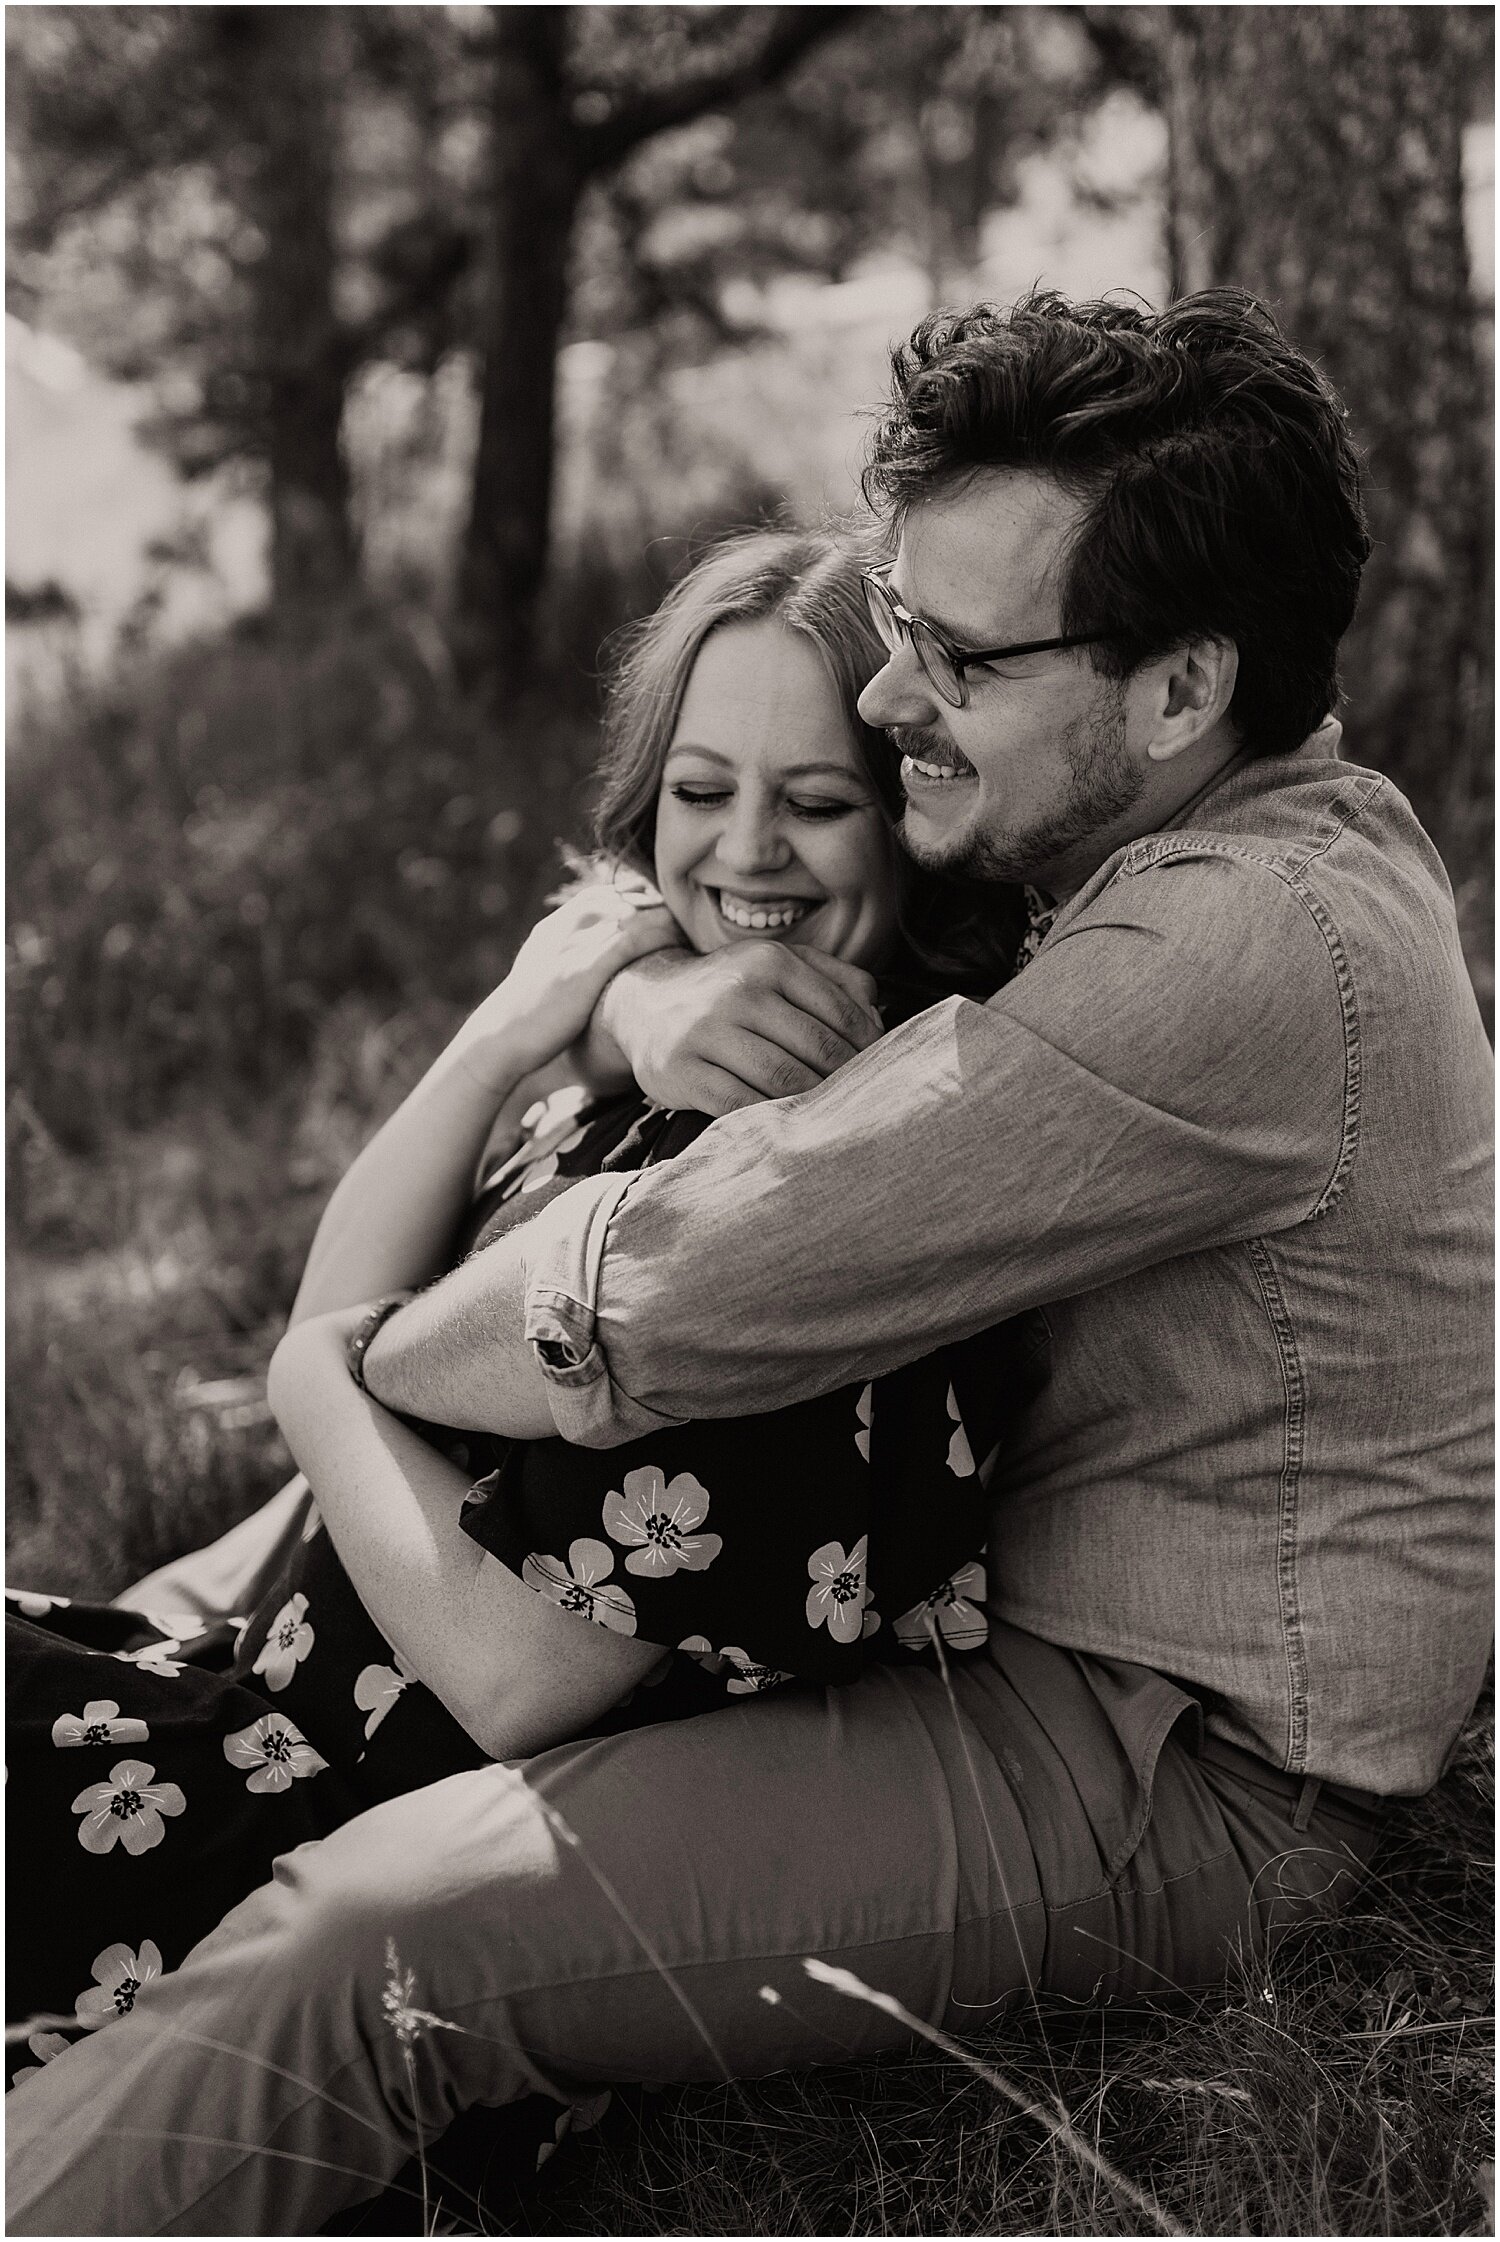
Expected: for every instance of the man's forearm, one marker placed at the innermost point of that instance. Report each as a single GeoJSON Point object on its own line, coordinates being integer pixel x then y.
{"type": "Point", "coordinates": [457, 1354]}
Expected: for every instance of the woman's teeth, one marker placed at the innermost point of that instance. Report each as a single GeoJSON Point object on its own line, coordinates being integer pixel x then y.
{"type": "Point", "coordinates": [762, 918]}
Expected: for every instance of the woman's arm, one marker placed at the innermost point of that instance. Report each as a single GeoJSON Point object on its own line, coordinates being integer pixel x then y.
{"type": "Point", "coordinates": [516, 1673]}
{"type": "Point", "coordinates": [391, 1220]}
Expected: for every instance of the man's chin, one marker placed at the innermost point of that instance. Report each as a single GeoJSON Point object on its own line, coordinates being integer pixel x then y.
{"type": "Point", "coordinates": [963, 852]}
{"type": "Point", "coordinates": [939, 844]}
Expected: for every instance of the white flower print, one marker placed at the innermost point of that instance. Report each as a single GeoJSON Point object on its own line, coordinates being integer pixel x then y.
{"type": "Point", "coordinates": [32, 1604]}
{"type": "Point", "coordinates": [126, 1810]}
{"type": "Point", "coordinates": [548, 1135]}
{"type": "Point", "coordinates": [98, 1723]}
{"type": "Point", "coordinates": [275, 1751]}
{"type": "Point", "coordinates": [960, 1455]}
{"type": "Point", "coordinates": [44, 2046]}
{"type": "Point", "coordinates": [287, 1644]}
{"type": "Point", "coordinates": [864, 1409]}
{"type": "Point", "coordinates": [118, 1977]}
{"type": "Point", "coordinates": [749, 1677]}
{"type": "Point", "coordinates": [543, 1170]}
{"type": "Point", "coordinates": [955, 1611]}
{"type": "Point", "coordinates": [700, 1648]}
{"type": "Point", "coordinates": [576, 1584]}
{"type": "Point", "coordinates": [156, 1659]}
{"type": "Point", "coordinates": [655, 1518]}
{"type": "Point", "coordinates": [376, 1689]}
{"type": "Point", "coordinates": [183, 1626]}
{"type": "Point", "coordinates": [839, 1593]}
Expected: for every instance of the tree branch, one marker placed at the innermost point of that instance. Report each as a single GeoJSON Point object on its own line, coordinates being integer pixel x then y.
{"type": "Point", "coordinates": [792, 33]}
{"type": "Point", "coordinates": [1126, 44]}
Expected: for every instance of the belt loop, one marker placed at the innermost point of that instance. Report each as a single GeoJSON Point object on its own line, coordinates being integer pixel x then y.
{"type": "Point", "coordinates": [1307, 1799]}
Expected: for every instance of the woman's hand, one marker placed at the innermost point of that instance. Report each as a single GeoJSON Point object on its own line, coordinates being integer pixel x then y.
{"type": "Point", "coordinates": [562, 968]}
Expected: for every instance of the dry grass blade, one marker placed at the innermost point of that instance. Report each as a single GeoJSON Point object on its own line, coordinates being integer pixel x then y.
{"type": "Point", "coordinates": [1057, 2122]}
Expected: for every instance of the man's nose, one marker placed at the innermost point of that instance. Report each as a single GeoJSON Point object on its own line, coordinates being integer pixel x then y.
{"type": "Point", "coordinates": [901, 693]}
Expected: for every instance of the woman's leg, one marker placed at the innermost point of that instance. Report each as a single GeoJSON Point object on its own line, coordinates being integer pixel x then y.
{"type": "Point", "coordinates": [615, 1910]}
{"type": "Point", "coordinates": [612, 1913]}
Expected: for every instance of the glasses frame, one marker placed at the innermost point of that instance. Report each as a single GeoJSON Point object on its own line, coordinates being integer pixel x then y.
{"type": "Point", "coordinates": [916, 631]}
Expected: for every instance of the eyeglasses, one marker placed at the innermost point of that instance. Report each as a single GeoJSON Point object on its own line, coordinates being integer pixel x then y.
{"type": "Point", "coordinates": [943, 665]}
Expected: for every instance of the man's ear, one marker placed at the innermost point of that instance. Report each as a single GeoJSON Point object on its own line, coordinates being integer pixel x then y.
{"type": "Point", "coordinates": [1196, 686]}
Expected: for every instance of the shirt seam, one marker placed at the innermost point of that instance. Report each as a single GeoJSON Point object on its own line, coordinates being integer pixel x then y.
{"type": "Point", "coordinates": [1289, 1490]}
{"type": "Point", "coordinates": [1188, 846]}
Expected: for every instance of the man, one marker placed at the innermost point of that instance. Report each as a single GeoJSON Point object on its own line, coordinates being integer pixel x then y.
{"type": "Point", "coordinates": [1225, 1138]}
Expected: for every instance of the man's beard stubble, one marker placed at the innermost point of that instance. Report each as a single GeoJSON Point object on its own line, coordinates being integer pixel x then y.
{"type": "Point", "coordinates": [1103, 784]}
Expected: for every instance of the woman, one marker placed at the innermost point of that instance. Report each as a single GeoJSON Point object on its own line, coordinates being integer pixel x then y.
{"type": "Point", "coordinates": [721, 1558]}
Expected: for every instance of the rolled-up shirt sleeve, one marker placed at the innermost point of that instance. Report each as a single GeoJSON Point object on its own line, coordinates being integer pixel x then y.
{"type": "Point", "coordinates": [1176, 1070]}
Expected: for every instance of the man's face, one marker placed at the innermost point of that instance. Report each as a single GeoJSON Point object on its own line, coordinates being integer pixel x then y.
{"type": "Point", "coordinates": [1030, 779]}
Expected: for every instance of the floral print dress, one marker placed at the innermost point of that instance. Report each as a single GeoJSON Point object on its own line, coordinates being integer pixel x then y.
{"type": "Point", "coordinates": [158, 1766]}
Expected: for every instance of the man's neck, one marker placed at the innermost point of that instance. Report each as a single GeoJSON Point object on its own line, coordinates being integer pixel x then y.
{"type": "Point", "coordinates": [1060, 882]}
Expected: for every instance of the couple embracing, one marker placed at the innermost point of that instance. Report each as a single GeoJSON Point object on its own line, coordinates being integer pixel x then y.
{"type": "Point", "coordinates": [1000, 1509]}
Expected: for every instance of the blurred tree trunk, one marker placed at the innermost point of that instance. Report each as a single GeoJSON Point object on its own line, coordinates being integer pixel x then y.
{"type": "Point", "coordinates": [552, 136]}
{"type": "Point", "coordinates": [281, 177]}
{"type": "Point", "coordinates": [538, 176]}
{"type": "Point", "coordinates": [1315, 158]}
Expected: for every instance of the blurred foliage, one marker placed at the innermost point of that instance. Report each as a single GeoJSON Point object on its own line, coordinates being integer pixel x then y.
{"type": "Point", "coordinates": [246, 208]}
{"type": "Point", "coordinates": [127, 232]}
{"type": "Point", "coordinates": [211, 850]}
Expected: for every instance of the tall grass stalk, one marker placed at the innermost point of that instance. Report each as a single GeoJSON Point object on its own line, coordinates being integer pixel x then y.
{"type": "Point", "coordinates": [1055, 2121]}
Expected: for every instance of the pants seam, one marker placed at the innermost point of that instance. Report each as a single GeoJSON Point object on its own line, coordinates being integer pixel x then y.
{"type": "Point", "coordinates": [1140, 1891]}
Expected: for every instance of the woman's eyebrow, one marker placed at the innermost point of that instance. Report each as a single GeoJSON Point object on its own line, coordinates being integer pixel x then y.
{"type": "Point", "coordinates": [789, 770]}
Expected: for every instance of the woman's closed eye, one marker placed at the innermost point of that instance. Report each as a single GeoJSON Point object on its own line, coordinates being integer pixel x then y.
{"type": "Point", "coordinates": [821, 810]}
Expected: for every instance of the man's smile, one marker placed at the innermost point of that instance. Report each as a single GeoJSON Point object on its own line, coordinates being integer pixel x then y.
{"type": "Point", "coordinates": [929, 761]}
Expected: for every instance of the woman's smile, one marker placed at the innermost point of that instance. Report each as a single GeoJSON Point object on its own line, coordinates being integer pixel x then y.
{"type": "Point", "coordinates": [761, 914]}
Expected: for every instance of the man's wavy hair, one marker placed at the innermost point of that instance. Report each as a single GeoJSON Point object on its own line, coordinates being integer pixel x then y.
{"type": "Point", "coordinates": [954, 935]}
{"type": "Point", "coordinates": [1220, 487]}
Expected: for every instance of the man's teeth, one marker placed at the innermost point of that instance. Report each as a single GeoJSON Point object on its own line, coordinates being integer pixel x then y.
{"type": "Point", "coordinates": [939, 771]}
{"type": "Point", "coordinates": [761, 918]}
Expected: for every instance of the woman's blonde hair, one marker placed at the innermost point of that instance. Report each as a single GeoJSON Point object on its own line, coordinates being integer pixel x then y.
{"type": "Point", "coordinates": [809, 581]}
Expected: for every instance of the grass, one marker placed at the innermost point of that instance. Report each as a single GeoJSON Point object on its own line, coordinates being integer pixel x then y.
{"type": "Point", "coordinates": [251, 886]}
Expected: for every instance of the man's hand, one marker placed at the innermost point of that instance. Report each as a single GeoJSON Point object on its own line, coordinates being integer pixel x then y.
{"type": "Point", "coordinates": [752, 1021]}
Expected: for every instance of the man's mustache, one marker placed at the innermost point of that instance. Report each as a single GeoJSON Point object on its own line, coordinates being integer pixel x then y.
{"type": "Point", "coordinates": [928, 743]}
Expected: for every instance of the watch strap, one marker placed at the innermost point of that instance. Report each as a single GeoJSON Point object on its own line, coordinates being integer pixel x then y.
{"type": "Point", "coordinates": [379, 1312]}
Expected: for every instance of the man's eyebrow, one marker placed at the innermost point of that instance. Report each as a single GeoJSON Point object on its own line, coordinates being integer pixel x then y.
{"type": "Point", "coordinates": [960, 640]}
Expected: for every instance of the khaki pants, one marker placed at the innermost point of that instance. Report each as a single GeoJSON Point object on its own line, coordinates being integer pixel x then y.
{"type": "Point", "coordinates": [615, 1909]}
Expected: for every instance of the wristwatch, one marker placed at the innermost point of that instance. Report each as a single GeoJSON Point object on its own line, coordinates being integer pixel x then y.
{"type": "Point", "coordinates": [365, 1330]}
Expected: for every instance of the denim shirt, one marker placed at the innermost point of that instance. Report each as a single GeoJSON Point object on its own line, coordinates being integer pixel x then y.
{"type": "Point", "coordinates": [1229, 1135]}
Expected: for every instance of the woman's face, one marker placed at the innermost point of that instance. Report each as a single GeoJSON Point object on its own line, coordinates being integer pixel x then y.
{"type": "Point", "coordinates": [766, 826]}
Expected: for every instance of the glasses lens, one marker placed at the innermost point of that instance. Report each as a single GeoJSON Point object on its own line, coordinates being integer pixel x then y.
{"type": "Point", "coordinates": [882, 614]}
{"type": "Point", "coordinates": [935, 659]}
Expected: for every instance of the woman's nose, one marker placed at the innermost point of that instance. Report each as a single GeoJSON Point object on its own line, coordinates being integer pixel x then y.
{"type": "Point", "coordinates": [752, 839]}
{"type": "Point", "coordinates": [901, 693]}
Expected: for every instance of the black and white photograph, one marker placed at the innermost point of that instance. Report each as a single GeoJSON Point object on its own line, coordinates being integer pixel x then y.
{"type": "Point", "coordinates": [749, 1120]}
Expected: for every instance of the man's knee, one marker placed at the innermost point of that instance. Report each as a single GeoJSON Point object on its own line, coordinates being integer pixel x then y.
{"type": "Point", "coordinates": [426, 1879]}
